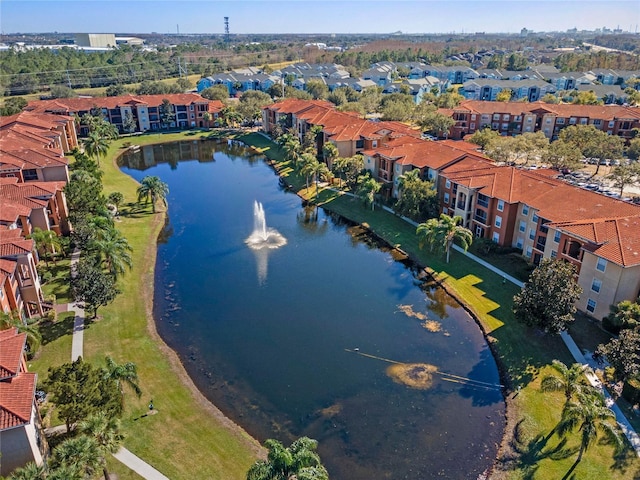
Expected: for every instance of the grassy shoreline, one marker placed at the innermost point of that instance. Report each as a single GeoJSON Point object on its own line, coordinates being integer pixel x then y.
{"type": "Point", "coordinates": [190, 438]}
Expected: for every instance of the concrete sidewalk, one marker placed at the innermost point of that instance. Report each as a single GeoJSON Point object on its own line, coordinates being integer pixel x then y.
{"type": "Point", "coordinates": [137, 465]}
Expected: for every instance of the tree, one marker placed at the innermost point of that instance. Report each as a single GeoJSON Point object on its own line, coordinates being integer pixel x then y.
{"type": "Point", "coordinates": [368, 187]}
{"type": "Point", "coordinates": [317, 88]}
{"type": "Point", "coordinates": [78, 390]}
{"type": "Point", "coordinates": [81, 454]}
{"type": "Point", "coordinates": [299, 461]}
{"type": "Point", "coordinates": [116, 90]}
{"type": "Point", "coordinates": [122, 374]}
{"type": "Point", "coordinates": [550, 98]}
{"type": "Point", "coordinates": [62, 91]}
{"type": "Point", "coordinates": [504, 95]}
{"type": "Point", "coordinates": [216, 92]}
{"type": "Point", "coordinates": [154, 189]}
{"type": "Point", "coordinates": [105, 432]}
{"type": "Point", "coordinates": [308, 167]}
{"type": "Point", "coordinates": [484, 137]}
{"type": "Point", "coordinates": [12, 106]}
{"type": "Point", "coordinates": [590, 416]}
{"type": "Point", "coordinates": [92, 286]}
{"type": "Point", "coordinates": [623, 315]}
{"type": "Point", "coordinates": [30, 471]}
{"type": "Point", "coordinates": [230, 116]}
{"type": "Point", "coordinates": [633, 151]}
{"type": "Point", "coordinates": [47, 242]}
{"type": "Point", "coordinates": [623, 354]}
{"type": "Point", "coordinates": [114, 250]}
{"type": "Point", "coordinates": [13, 320]}
{"type": "Point", "coordinates": [449, 100]}
{"type": "Point", "coordinates": [250, 105]}
{"type": "Point", "coordinates": [96, 145]}
{"type": "Point", "coordinates": [330, 153]}
{"type": "Point", "coordinates": [586, 98]}
{"type": "Point", "coordinates": [320, 171]}
{"type": "Point", "coordinates": [129, 125]}
{"type": "Point", "coordinates": [115, 198]}
{"type": "Point", "coordinates": [444, 232]}
{"type": "Point", "coordinates": [418, 199]}
{"type": "Point", "coordinates": [571, 380]}
{"type": "Point", "coordinates": [593, 143]}
{"type": "Point", "coordinates": [436, 123]}
{"type": "Point", "coordinates": [167, 115]}
{"type": "Point", "coordinates": [292, 148]}
{"type": "Point", "coordinates": [624, 175]}
{"type": "Point", "coordinates": [561, 155]}
{"type": "Point", "coordinates": [547, 300]}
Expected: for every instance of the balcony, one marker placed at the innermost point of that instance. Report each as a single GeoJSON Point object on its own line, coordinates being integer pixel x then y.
{"type": "Point", "coordinates": [481, 219]}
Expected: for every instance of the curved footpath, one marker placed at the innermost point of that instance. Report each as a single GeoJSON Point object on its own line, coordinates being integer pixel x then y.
{"type": "Point", "coordinates": [123, 455]}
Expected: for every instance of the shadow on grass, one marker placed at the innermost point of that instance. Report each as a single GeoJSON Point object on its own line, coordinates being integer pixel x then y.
{"type": "Point", "coordinates": [136, 210]}
{"type": "Point", "coordinates": [52, 331]}
{"type": "Point", "coordinates": [531, 452]}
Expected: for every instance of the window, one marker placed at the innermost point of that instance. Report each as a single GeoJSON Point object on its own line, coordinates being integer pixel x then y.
{"type": "Point", "coordinates": [612, 123]}
{"type": "Point", "coordinates": [554, 254]}
{"type": "Point", "coordinates": [523, 226]}
{"type": "Point", "coordinates": [520, 242]}
{"type": "Point", "coordinates": [591, 305]}
{"type": "Point", "coordinates": [473, 125]}
{"type": "Point", "coordinates": [529, 250]}
{"type": "Point", "coordinates": [505, 117]}
{"type": "Point", "coordinates": [446, 198]}
{"type": "Point", "coordinates": [447, 184]}
{"type": "Point", "coordinates": [525, 209]}
{"type": "Point", "coordinates": [191, 107]}
{"type": "Point", "coordinates": [496, 237]}
{"type": "Point", "coordinates": [374, 143]}
{"type": "Point", "coordinates": [532, 234]}
{"type": "Point", "coordinates": [30, 174]}
{"type": "Point", "coordinates": [483, 200]}
{"type": "Point", "coordinates": [535, 218]}
{"type": "Point", "coordinates": [500, 205]}
{"type": "Point", "coordinates": [560, 121]}
{"type": "Point", "coordinates": [496, 116]}
{"type": "Point", "coordinates": [596, 285]}
{"type": "Point", "coordinates": [498, 222]}
{"type": "Point", "coordinates": [556, 236]}
{"type": "Point", "coordinates": [583, 121]}
{"type": "Point", "coordinates": [445, 210]}
{"type": "Point", "coordinates": [572, 120]}
{"type": "Point", "coordinates": [601, 265]}
{"type": "Point", "coordinates": [597, 122]}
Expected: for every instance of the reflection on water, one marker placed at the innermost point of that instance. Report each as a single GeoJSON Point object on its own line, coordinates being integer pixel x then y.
{"type": "Point", "coordinates": [278, 357]}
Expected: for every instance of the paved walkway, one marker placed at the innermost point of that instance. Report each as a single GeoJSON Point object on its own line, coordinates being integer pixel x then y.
{"type": "Point", "coordinates": [123, 455]}
{"type": "Point", "coordinates": [579, 357]}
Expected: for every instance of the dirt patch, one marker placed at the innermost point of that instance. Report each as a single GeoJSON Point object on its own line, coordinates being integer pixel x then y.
{"type": "Point", "coordinates": [414, 375]}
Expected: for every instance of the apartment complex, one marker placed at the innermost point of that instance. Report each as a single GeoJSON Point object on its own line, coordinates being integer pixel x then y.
{"type": "Point", "coordinates": [514, 118]}
{"type": "Point", "coordinates": [532, 211]}
{"type": "Point", "coordinates": [138, 113]}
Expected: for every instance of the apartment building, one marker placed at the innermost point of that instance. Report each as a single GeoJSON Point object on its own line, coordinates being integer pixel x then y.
{"type": "Point", "coordinates": [513, 118]}
{"type": "Point", "coordinates": [144, 112]}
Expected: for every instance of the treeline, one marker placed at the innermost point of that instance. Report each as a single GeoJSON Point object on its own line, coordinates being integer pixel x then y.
{"type": "Point", "coordinates": [363, 60]}
{"type": "Point", "coordinates": [29, 71]}
{"type": "Point", "coordinates": [582, 62]}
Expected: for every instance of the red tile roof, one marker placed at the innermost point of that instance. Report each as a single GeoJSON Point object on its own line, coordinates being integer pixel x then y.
{"type": "Point", "coordinates": [73, 105]}
{"type": "Point", "coordinates": [16, 400]}
{"type": "Point", "coordinates": [11, 349]}
{"type": "Point", "coordinates": [615, 239]}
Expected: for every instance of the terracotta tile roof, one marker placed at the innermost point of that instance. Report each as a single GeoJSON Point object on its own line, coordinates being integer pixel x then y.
{"type": "Point", "coordinates": [13, 244]}
{"type": "Point", "coordinates": [614, 239]}
{"type": "Point", "coordinates": [423, 153]}
{"type": "Point", "coordinates": [16, 400]}
{"type": "Point", "coordinates": [561, 110]}
{"type": "Point", "coordinates": [8, 267]}
{"type": "Point", "coordinates": [11, 349]}
{"type": "Point", "coordinates": [10, 210]}
{"type": "Point", "coordinates": [72, 105]}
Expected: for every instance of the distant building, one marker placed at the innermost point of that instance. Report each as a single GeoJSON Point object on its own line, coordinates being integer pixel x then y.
{"type": "Point", "coordinates": [95, 40]}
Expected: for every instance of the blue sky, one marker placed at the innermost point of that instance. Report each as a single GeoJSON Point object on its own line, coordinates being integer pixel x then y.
{"type": "Point", "coordinates": [315, 16]}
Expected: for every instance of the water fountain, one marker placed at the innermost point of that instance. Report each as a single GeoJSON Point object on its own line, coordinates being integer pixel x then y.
{"type": "Point", "coordinates": [263, 237]}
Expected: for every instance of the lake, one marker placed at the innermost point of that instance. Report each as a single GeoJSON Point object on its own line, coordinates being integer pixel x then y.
{"type": "Point", "coordinates": [326, 336]}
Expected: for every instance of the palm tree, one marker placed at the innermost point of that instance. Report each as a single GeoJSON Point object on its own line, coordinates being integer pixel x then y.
{"type": "Point", "coordinates": [591, 416]}
{"type": "Point", "coordinates": [299, 461]}
{"type": "Point", "coordinates": [105, 431]}
{"type": "Point", "coordinates": [368, 189]}
{"type": "Point", "coordinates": [46, 242]}
{"type": "Point", "coordinates": [122, 374]}
{"type": "Point", "coordinates": [30, 471]}
{"type": "Point", "coordinates": [292, 148]}
{"type": "Point", "coordinates": [114, 249]}
{"type": "Point", "coordinates": [444, 232]}
{"type": "Point", "coordinates": [571, 380]}
{"type": "Point", "coordinates": [339, 166]}
{"type": "Point", "coordinates": [81, 454]}
{"type": "Point", "coordinates": [151, 187]}
{"type": "Point", "coordinates": [308, 166]}
{"type": "Point", "coordinates": [320, 172]}
{"type": "Point", "coordinates": [330, 153]}
{"type": "Point", "coordinates": [96, 145]}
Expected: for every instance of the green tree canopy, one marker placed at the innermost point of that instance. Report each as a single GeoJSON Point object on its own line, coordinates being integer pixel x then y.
{"type": "Point", "coordinates": [443, 232]}
{"type": "Point", "coordinates": [547, 300]}
{"type": "Point", "coordinates": [623, 354]}
{"type": "Point", "coordinates": [91, 285]}
{"type": "Point", "coordinates": [154, 189]}
{"type": "Point", "coordinates": [418, 198]}
{"type": "Point", "coordinates": [299, 461]}
{"type": "Point", "coordinates": [216, 92]}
